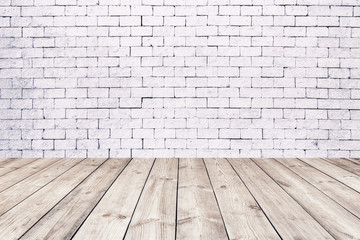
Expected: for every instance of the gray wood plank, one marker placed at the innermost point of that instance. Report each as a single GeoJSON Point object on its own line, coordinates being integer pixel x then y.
{"type": "Point", "coordinates": [154, 216]}
{"type": "Point", "coordinates": [351, 166]}
{"type": "Point", "coordinates": [19, 219]}
{"type": "Point", "coordinates": [64, 219]}
{"type": "Point", "coordinates": [3, 161]}
{"type": "Point", "coordinates": [198, 214]}
{"type": "Point", "coordinates": [287, 216]}
{"type": "Point", "coordinates": [350, 179]}
{"type": "Point", "coordinates": [21, 190]}
{"type": "Point", "coordinates": [14, 164]}
{"type": "Point", "coordinates": [24, 172]}
{"type": "Point", "coordinates": [242, 215]}
{"type": "Point", "coordinates": [345, 196]}
{"type": "Point", "coordinates": [111, 217]}
{"type": "Point", "coordinates": [335, 219]}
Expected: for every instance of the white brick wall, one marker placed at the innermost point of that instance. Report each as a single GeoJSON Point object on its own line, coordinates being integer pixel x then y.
{"type": "Point", "coordinates": [167, 78]}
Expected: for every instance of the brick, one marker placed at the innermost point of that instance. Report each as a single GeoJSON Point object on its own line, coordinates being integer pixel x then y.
{"type": "Point", "coordinates": [165, 78]}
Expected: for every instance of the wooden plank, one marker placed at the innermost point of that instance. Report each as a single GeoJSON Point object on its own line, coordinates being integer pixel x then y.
{"type": "Point", "coordinates": [66, 217]}
{"type": "Point", "coordinates": [19, 219]}
{"type": "Point", "coordinates": [340, 223]}
{"type": "Point", "coordinates": [18, 192]}
{"type": "Point", "coordinates": [5, 160]}
{"type": "Point", "coordinates": [286, 215]}
{"type": "Point", "coordinates": [351, 166]}
{"type": "Point", "coordinates": [242, 215]}
{"type": "Point", "coordinates": [342, 175]}
{"type": "Point", "coordinates": [198, 214]}
{"type": "Point", "coordinates": [18, 175]}
{"type": "Point", "coordinates": [111, 217]}
{"type": "Point", "coordinates": [345, 196]}
{"type": "Point", "coordinates": [154, 216]}
{"type": "Point", "coordinates": [14, 164]}
{"type": "Point", "coordinates": [355, 160]}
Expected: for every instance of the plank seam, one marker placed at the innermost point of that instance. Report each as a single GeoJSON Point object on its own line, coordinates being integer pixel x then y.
{"type": "Point", "coordinates": [293, 199]}
{"type": "Point", "coordinates": [107, 189]}
{"type": "Point", "coordinates": [40, 187]}
{"type": "Point", "coordinates": [5, 161]}
{"type": "Point", "coordinates": [353, 160]}
{"type": "Point", "coordinates": [177, 195]}
{"type": "Point", "coordinates": [254, 198]}
{"type": "Point", "coordinates": [327, 160]}
{"type": "Point", "coordinates": [317, 188]}
{"type": "Point", "coordinates": [137, 202]}
{"type": "Point", "coordinates": [217, 203]}
{"type": "Point", "coordinates": [330, 176]}
{"type": "Point", "coordinates": [64, 197]}
{"type": "Point", "coordinates": [16, 168]}
{"type": "Point", "coordinates": [30, 174]}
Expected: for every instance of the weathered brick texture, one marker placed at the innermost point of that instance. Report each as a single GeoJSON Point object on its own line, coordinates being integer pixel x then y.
{"type": "Point", "coordinates": [170, 78]}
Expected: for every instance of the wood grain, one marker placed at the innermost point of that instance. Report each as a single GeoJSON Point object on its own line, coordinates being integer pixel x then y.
{"type": "Point", "coordinates": [25, 171]}
{"type": "Point", "coordinates": [18, 192]}
{"type": "Point", "coordinates": [110, 218]}
{"type": "Point", "coordinates": [18, 220]}
{"type": "Point", "coordinates": [354, 159]}
{"type": "Point", "coordinates": [65, 218]}
{"type": "Point", "coordinates": [198, 214]}
{"type": "Point", "coordinates": [287, 216]}
{"type": "Point", "coordinates": [242, 215]}
{"type": "Point", "coordinates": [350, 179]}
{"type": "Point", "coordinates": [183, 199]}
{"type": "Point", "coordinates": [345, 196]}
{"type": "Point", "coordinates": [5, 160]}
{"type": "Point", "coordinates": [154, 216]}
{"type": "Point", "coordinates": [335, 219]}
{"type": "Point", "coordinates": [351, 166]}
{"type": "Point", "coordinates": [14, 164]}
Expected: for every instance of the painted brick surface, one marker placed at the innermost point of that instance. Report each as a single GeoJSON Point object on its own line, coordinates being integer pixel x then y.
{"type": "Point", "coordinates": [169, 78]}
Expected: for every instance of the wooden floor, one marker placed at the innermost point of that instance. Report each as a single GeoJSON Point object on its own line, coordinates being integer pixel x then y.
{"type": "Point", "coordinates": [180, 198]}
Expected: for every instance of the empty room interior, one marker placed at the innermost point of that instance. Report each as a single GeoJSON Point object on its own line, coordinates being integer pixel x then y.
{"type": "Point", "coordinates": [180, 119]}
